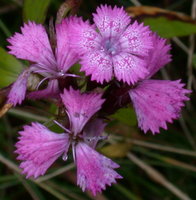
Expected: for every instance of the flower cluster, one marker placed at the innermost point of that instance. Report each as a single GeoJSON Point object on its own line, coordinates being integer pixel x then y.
{"type": "Point", "coordinates": [115, 50]}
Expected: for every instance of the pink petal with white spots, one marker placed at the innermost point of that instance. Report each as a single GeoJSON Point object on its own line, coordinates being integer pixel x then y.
{"type": "Point", "coordinates": [157, 102]}
{"type": "Point", "coordinates": [18, 89]}
{"type": "Point", "coordinates": [80, 107]}
{"type": "Point", "coordinates": [159, 55]}
{"type": "Point", "coordinates": [52, 91]}
{"type": "Point", "coordinates": [111, 21]}
{"type": "Point", "coordinates": [38, 148]}
{"type": "Point", "coordinates": [98, 65]}
{"type": "Point", "coordinates": [136, 39]}
{"type": "Point", "coordinates": [129, 68]}
{"type": "Point", "coordinates": [94, 171]}
{"type": "Point", "coordinates": [83, 37]}
{"type": "Point", "coordinates": [92, 132]}
{"type": "Point", "coordinates": [65, 55]}
{"type": "Point", "coordinates": [33, 45]}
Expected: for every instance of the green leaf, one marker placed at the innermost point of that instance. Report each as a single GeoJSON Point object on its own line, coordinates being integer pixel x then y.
{"type": "Point", "coordinates": [6, 78]}
{"type": "Point", "coordinates": [10, 67]}
{"type": "Point", "coordinates": [170, 28]}
{"type": "Point", "coordinates": [35, 10]}
{"type": "Point", "coordinates": [126, 116]}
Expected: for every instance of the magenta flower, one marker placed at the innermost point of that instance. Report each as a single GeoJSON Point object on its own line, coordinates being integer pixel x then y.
{"type": "Point", "coordinates": [157, 101]}
{"type": "Point", "coordinates": [33, 45]}
{"type": "Point", "coordinates": [118, 49]}
{"type": "Point", "coordinates": [38, 147]}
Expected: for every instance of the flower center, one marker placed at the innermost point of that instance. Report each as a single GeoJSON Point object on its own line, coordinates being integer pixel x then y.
{"type": "Point", "coordinates": [110, 45]}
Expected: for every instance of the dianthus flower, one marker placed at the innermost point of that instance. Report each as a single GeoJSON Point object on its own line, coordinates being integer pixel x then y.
{"type": "Point", "coordinates": [157, 101]}
{"type": "Point", "coordinates": [114, 46]}
{"type": "Point", "coordinates": [38, 147]}
{"type": "Point", "coordinates": [33, 45]}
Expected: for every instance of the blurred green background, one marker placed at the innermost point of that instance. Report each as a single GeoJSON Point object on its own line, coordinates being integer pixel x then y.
{"type": "Point", "coordinates": [153, 167]}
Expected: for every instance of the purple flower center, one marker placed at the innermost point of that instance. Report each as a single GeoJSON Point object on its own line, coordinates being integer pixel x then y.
{"type": "Point", "coordinates": [110, 46]}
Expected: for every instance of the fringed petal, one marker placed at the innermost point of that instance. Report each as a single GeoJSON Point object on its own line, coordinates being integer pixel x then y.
{"type": "Point", "coordinates": [83, 37]}
{"type": "Point", "coordinates": [129, 68]}
{"type": "Point", "coordinates": [80, 107]}
{"type": "Point", "coordinates": [111, 21]}
{"type": "Point", "coordinates": [38, 148]}
{"type": "Point", "coordinates": [18, 89]}
{"type": "Point", "coordinates": [98, 65]}
{"type": "Point", "coordinates": [136, 40]}
{"type": "Point", "coordinates": [33, 45]}
{"type": "Point", "coordinates": [158, 56]}
{"type": "Point", "coordinates": [65, 55]}
{"type": "Point", "coordinates": [94, 171]}
{"type": "Point", "coordinates": [157, 102]}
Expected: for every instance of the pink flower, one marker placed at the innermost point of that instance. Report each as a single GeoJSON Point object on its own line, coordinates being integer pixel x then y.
{"type": "Point", "coordinates": [33, 45]}
{"type": "Point", "coordinates": [157, 101]}
{"type": "Point", "coordinates": [94, 171]}
{"type": "Point", "coordinates": [118, 49]}
{"type": "Point", "coordinates": [38, 147]}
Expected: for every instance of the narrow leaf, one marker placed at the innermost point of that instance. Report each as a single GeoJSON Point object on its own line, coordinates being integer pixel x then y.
{"type": "Point", "coordinates": [168, 28]}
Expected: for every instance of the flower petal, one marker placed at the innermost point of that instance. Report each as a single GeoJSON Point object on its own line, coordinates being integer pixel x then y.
{"type": "Point", "coordinates": [94, 171]}
{"type": "Point", "coordinates": [111, 21]}
{"type": "Point", "coordinates": [80, 107]}
{"type": "Point", "coordinates": [158, 56]}
{"type": "Point", "coordinates": [136, 39]}
{"type": "Point", "coordinates": [38, 148]}
{"type": "Point", "coordinates": [52, 91]}
{"type": "Point", "coordinates": [157, 102]}
{"type": "Point", "coordinates": [92, 132]}
{"type": "Point", "coordinates": [66, 57]}
{"type": "Point", "coordinates": [98, 65]}
{"type": "Point", "coordinates": [129, 68]}
{"type": "Point", "coordinates": [18, 89]}
{"type": "Point", "coordinates": [83, 37]}
{"type": "Point", "coordinates": [33, 45]}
